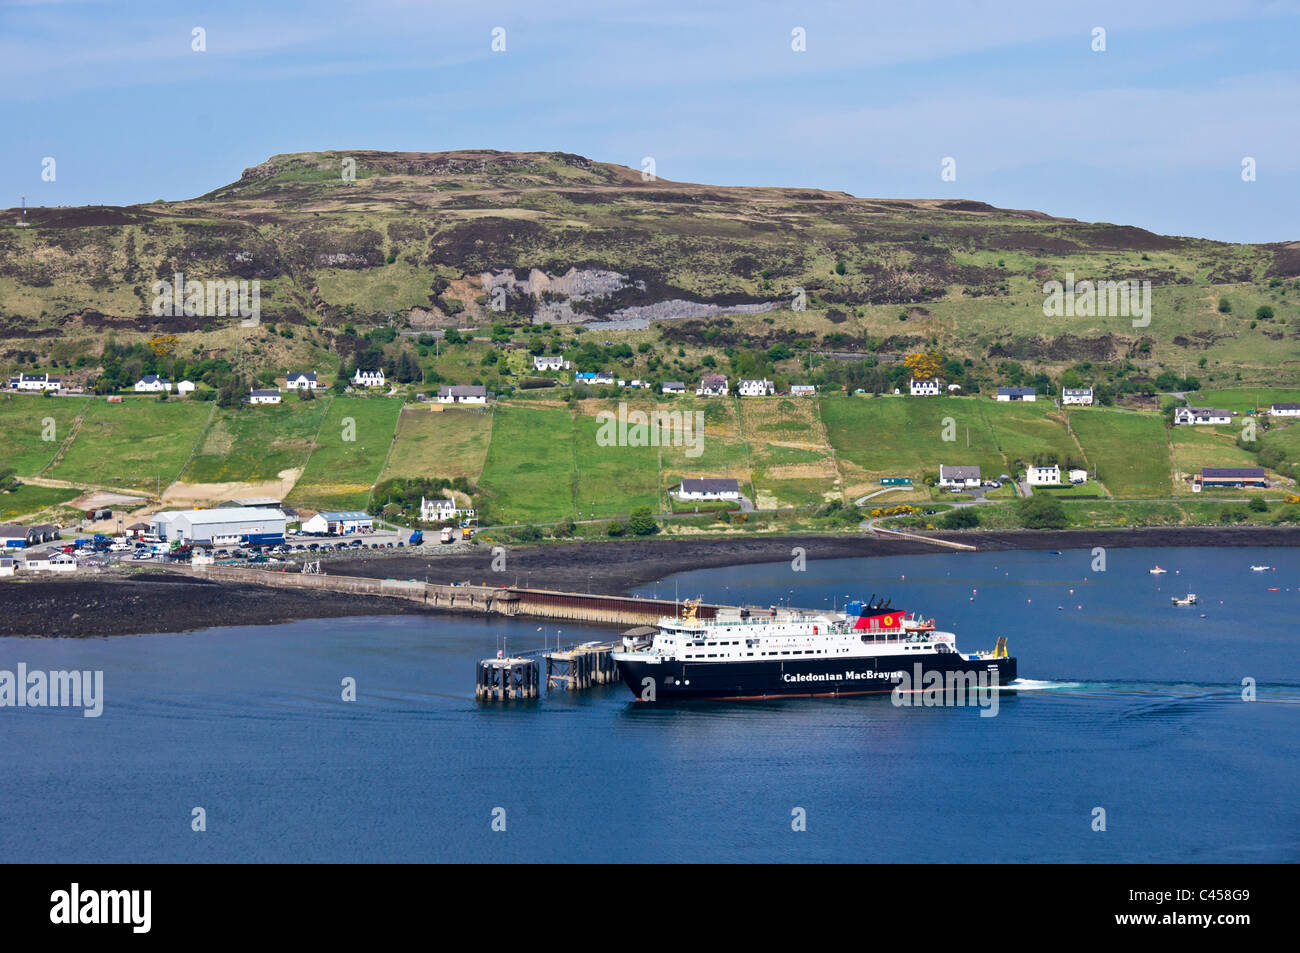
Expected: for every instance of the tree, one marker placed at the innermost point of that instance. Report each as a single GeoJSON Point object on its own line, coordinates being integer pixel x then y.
{"type": "Point", "coordinates": [642, 522]}
{"type": "Point", "coordinates": [924, 365]}
{"type": "Point", "coordinates": [163, 344]}
{"type": "Point", "coordinates": [1225, 306]}
{"type": "Point", "coordinates": [962, 518]}
{"type": "Point", "coordinates": [615, 529]}
{"type": "Point", "coordinates": [1042, 511]}
{"type": "Point", "coordinates": [1264, 313]}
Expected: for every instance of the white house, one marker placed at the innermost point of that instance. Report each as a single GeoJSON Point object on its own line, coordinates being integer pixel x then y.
{"type": "Point", "coordinates": [1199, 416]}
{"type": "Point", "coordinates": [151, 383]}
{"type": "Point", "coordinates": [1043, 476]}
{"type": "Point", "coordinates": [1077, 395]}
{"type": "Point", "coordinates": [185, 387]}
{"type": "Point", "coordinates": [6, 565]}
{"type": "Point", "coordinates": [1284, 410]}
{"type": "Point", "coordinates": [550, 362]}
{"type": "Point", "coordinates": [1078, 476]}
{"type": "Point", "coordinates": [36, 382]}
{"type": "Point", "coordinates": [712, 385]}
{"type": "Point", "coordinates": [1017, 393]}
{"type": "Point", "coordinates": [439, 510]}
{"type": "Point", "coordinates": [959, 478]}
{"type": "Point", "coordinates": [755, 388]}
{"type": "Point", "coordinates": [462, 394]}
{"type": "Point", "coordinates": [302, 380]}
{"type": "Point", "coordinates": [919, 388]}
{"type": "Point", "coordinates": [802, 390]}
{"type": "Point", "coordinates": [346, 521]}
{"type": "Point", "coordinates": [707, 489]}
{"type": "Point", "coordinates": [674, 387]}
{"type": "Point", "coordinates": [270, 395]}
{"type": "Point", "coordinates": [592, 378]}
{"type": "Point", "coordinates": [50, 562]}
{"type": "Point", "coordinates": [373, 378]}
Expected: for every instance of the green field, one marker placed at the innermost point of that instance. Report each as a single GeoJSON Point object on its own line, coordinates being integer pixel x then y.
{"type": "Point", "coordinates": [612, 480]}
{"type": "Point", "coordinates": [903, 436]}
{"type": "Point", "coordinates": [1285, 437]}
{"type": "Point", "coordinates": [25, 423]}
{"type": "Point", "coordinates": [31, 499]}
{"type": "Point", "coordinates": [1196, 447]}
{"type": "Point", "coordinates": [349, 455]}
{"type": "Point", "coordinates": [540, 462]}
{"type": "Point", "coordinates": [257, 443]}
{"type": "Point", "coordinates": [1244, 399]}
{"type": "Point", "coordinates": [140, 443]}
{"type": "Point", "coordinates": [528, 474]}
{"type": "Point", "coordinates": [448, 443]}
{"type": "Point", "coordinates": [1129, 450]}
{"type": "Point", "coordinates": [1024, 431]}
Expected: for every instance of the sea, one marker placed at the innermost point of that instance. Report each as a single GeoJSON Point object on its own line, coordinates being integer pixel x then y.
{"type": "Point", "coordinates": [1139, 731]}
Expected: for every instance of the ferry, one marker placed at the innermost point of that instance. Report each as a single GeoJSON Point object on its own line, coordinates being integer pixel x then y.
{"type": "Point", "coordinates": [741, 654]}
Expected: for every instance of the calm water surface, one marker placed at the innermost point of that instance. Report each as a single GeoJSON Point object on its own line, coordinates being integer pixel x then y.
{"type": "Point", "coordinates": [1131, 705]}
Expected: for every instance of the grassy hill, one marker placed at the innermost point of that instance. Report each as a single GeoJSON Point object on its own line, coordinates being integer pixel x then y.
{"type": "Point", "coordinates": [427, 241]}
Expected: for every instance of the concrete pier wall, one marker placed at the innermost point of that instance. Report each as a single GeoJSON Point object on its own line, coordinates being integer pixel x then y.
{"type": "Point", "coordinates": [530, 603]}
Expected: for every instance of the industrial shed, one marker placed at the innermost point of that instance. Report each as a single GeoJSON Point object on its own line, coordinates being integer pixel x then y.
{"type": "Point", "coordinates": [224, 525]}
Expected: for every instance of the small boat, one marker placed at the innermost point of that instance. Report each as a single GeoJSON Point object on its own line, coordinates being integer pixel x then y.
{"type": "Point", "coordinates": [1157, 571]}
{"type": "Point", "coordinates": [1260, 568]}
{"type": "Point", "coordinates": [1188, 600]}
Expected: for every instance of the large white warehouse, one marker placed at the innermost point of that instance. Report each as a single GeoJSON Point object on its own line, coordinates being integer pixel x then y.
{"type": "Point", "coordinates": [223, 525]}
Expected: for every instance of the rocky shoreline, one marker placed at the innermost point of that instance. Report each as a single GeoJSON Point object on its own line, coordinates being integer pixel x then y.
{"type": "Point", "coordinates": [157, 601]}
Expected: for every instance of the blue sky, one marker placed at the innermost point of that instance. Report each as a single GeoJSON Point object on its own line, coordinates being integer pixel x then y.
{"type": "Point", "coordinates": [1151, 132]}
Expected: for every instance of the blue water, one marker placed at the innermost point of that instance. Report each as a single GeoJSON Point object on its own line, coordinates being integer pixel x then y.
{"type": "Point", "coordinates": [1135, 708]}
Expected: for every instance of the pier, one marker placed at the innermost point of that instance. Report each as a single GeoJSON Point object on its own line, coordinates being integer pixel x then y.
{"type": "Point", "coordinates": [506, 679]}
{"type": "Point", "coordinates": [486, 600]}
{"type": "Point", "coordinates": [581, 667]}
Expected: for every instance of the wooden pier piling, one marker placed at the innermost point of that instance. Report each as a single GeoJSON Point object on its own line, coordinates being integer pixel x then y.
{"type": "Point", "coordinates": [503, 679]}
{"type": "Point", "coordinates": [581, 667]}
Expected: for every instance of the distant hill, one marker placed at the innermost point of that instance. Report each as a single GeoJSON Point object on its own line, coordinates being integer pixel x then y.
{"type": "Point", "coordinates": [430, 240]}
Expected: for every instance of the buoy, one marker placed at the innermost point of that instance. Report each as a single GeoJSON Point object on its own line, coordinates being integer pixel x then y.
{"type": "Point", "coordinates": [1071, 592]}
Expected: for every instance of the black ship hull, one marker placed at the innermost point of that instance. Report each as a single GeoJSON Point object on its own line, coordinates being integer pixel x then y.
{"type": "Point", "coordinates": [666, 681]}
